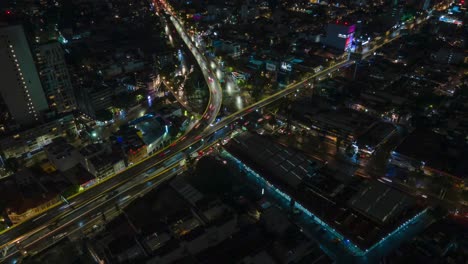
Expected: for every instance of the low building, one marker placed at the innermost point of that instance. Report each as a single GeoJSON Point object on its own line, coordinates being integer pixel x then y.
{"type": "Point", "coordinates": [102, 166]}
{"type": "Point", "coordinates": [187, 191]}
{"type": "Point", "coordinates": [100, 162]}
{"type": "Point", "coordinates": [29, 192]}
{"type": "Point", "coordinates": [232, 49]}
{"type": "Point", "coordinates": [449, 56]}
{"type": "Point", "coordinates": [197, 235]}
{"type": "Point", "coordinates": [442, 242]}
{"type": "Point", "coordinates": [125, 250]}
{"type": "Point", "coordinates": [170, 111]}
{"type": "Point", "coordinates": [62, 155]}
{"type": "Point", "coordinates": [380, 202]}
{"type": "Point", "coordinates": [153, 131]}
{"type": "Point", "coordinates": [383, 105]}
{"type": "Point", "coordinates": [30, 142]}
{"type": "Point", "coordinates": [432, 153]}
{"type": "Point", "coordinates": [261, 257]}
{"type": "Point", "coordinates": [286, 166]}
{"type": "Point", "coordinates": [131, 145]}
{"type": "Point", "coordinates": [195, 230]}
{"type": "Point", "coordinates": [332, 123]}
{"type": "Point", "coordinates": [275, 220]}
{"type": "Point", "coordinates": [376, 135]}
{"type": "Point", "coordinates": [133, 66]}
{"type": "Point", "coordinates": [164, 59]}
{"type": "Point", "coordinates": [88, 152]}
{"type": "Point", "coordinates": [79, 176]}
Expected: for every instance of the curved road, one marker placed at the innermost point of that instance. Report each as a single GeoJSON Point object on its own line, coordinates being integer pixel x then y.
{"type": "Point", "coordinates": [53, 215]}
{"type": "Point", "coordinates": [200, 131]}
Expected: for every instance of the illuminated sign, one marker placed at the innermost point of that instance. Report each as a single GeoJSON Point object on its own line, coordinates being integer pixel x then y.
{"type": "Point", "coordinates": [197, 17]}
{"type": "Point", "coordinates": [286, 66]}
{"type": "Point", "coordinates": [239, 76]}
{"type": "Point", "coordinates": [451, 20]}
{"type": "Point", "coordinates": [270, 67]}
{"type": "Point", "coordinates": [345, 36]}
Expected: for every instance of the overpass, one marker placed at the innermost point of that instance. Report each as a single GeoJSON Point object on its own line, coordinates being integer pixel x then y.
{"type": "Point", "coordinates": [46, 224]}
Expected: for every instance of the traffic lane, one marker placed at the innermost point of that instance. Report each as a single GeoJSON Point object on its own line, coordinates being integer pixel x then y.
{"type": "Point", "coordinates": [134, 183]}
{"type": "Point", "coordinates": [99, 189]}
{"type": "Point", "coordinates": [213, 83]}
{"type": "Point", "coordinates": [134, 191]}
{"type": "Point", "coordinates": [212, 118]}
{"type": "Point", "coordinates": [156, 160]}
{"type": "Point", "coordinates": [137, 189]}
{"type": "Point", "coordinates": [84, 197]}
{"type": "Point", "coordinates": [114, 180]}
{"type": "Point", "coordinates": [273, 98]}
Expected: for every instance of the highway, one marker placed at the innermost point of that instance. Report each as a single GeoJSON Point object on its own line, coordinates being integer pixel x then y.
{"type": "Point", "coordinates": [96, 213]}
{"type": "Point", "coordinates": [39, 227]}
{"type": "Point", "coordinates": [45, 219]}
{"type": "Point", "coordinates": [214, 86]}
{"type": "Point", "coordinates": [93, 215]}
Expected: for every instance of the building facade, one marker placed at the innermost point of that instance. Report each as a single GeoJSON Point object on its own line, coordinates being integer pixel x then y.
{"type": "Point", "coordinates": [340, 35]}
{"type": "Point", "coordinates": [21, 88]}
{"type": "Point", "coordinates": [62, 155]}
{"type": "Point", "coordinates": [32, 141]}
{"type": "Point", "coordinates": [94, 98]}
{"type": "Point", "coordinates": [55, 78]}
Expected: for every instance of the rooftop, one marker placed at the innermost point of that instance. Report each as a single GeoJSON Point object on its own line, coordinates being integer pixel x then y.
{"type": "Point", "coordinates": [286, 165]}
{"type": "Point", "coordinates": [91, 149]}
{"type": "Point", "coordinates": [321, 115]}
{"type": "Point", "coordinates": [59, 147]}
{"type": "Point", "coordinates": [376, 134]}
{"type": "Point", "coordinates": [380, 202]}
{"type": "Point", "coordinates": [436, 151]}
{"type": "Point", "coordinates": [152, 128]}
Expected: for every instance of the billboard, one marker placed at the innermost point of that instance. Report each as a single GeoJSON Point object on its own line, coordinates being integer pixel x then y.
{"type": "Point", "coordinates": [270, 66]}
{"type": "Point", "coordinates": [286, 66]}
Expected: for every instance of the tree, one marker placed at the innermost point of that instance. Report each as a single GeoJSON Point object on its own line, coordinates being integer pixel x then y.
{"type": "Point", "coordinates": [178, 80]}
{"type": "Point", "coordinates": [121, 102]}
{"type": "Point", "coordinates": [71, 191]}
{"type": "Point", "coordinates": [12, 164]}
{"type": "Point", "coordinates": [212, 177]}
{"type": "Point", "coordinates": [104, 115]}
{"type": "Point", "coordinates": [257, 93]}
{"type": "Point", "coordinates": [138, 96]}
{"type": "Point", "coordinates": [443, 181]}
{"type": "Point", "coordinates": [3, 206]}
{"type": "Point", "coordinates": [464, 195]}
{"type": "Point", "coordinates": [439, 212]}
{"type": "Point", "coordinates": [338, 142]}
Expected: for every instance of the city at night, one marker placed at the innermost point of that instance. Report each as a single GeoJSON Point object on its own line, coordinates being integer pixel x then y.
{"type": "Point", "coordinates": [233, 131]}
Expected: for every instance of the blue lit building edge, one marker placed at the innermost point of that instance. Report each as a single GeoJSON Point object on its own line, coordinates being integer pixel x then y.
{"type": "Point", "coordinates": [353, 249]}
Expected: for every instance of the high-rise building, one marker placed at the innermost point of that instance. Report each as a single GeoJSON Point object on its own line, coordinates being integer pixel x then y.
{"type": "Point", "coordinates": [55, 78]}
{"type": "Point", "coordinates": [397, 10]}
{"type": "Point", "coordinates": [340, 35]}
{"type": "Point", "coordinates": [20, 87]}
{"type": "Point", "coordinates": [426, 5]}
{"type": "Point", "coordinates": [93, 99]}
